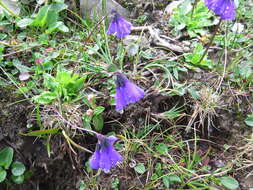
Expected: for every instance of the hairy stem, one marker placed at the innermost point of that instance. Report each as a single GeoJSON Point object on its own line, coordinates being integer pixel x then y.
{"type": "Point", "coordinates": [211, 41]}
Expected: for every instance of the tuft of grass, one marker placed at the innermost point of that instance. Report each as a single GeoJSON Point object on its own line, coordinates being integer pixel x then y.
{"type": "Point", "coordinates": [204, 109]}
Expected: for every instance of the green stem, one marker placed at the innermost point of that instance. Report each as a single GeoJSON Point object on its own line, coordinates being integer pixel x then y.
{"type": "Point", "coordinates": [193, 7]}
{"type": "Point", "coordinates": [104, 11]}
{"type": "Point", "coordinates": [211, 41]}
{"type": "Point", "coordinates": [7, 9]}
{"type": "Point", "coordinates": [73, 143]}
{"type": "Point", "coordinates": [10, 78]}
{"type": "Point", "coordinates": [5, 44]}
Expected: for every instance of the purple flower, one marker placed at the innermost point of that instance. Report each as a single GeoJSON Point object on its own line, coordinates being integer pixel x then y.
{"type": "Point", "coordinates": [105, 156]}
{"type": "Point", "coordinates": [119, 26]}
{"type": "Point", "coordinates": [126, 92]}
{"type": "Point", "coordinates": [224, 8]}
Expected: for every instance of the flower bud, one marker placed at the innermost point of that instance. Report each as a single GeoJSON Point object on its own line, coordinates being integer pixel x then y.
{"type": "Point", "coordinates": [89, 112]}
{"type": "Point", "coordinates": [90, 98]}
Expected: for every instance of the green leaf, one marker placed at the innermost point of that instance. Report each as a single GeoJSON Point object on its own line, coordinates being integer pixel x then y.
{"type": "Point", "coordinates": [162, 149]}
{"type": "Point", "coordinates": [24, 22]}
{"type": "Point", "coordinates": [166, 181]}
{"type": "Point", "coordinates": [57, 26]}
{"type": "Point", "coordinates": [229, 182]}
{"type": "Point", "coordinates": [158, 169]}
{"type": "Point", "coordinates": [82, 185]}
{"type": "Point", "coordinates": [249, 120]}
{"type": "Point", "coordinates": [195, 56]}
{"type": "Point", "coordinates": [50, 82]}
{"type": "Point", "coordinates": [213, 188]}
{"type": "Point", "coordinates": [18, 168]}
{"type": "Point", "coordinates": [112, 68]}
{"type": "Point", "coordinates": [62, 27]}
{"type": "Point", "coordinates": [48, 17]}
{"type": "Point", "coordinates": [98, 110]}
{"type": "Point", "coordinates": [45, 98]}
{"type": "Point", "coordinates": [41, 18]}
{"type": "Point", "coordinates": [76, 84]}
{"type": "Point", "coordinates": [98, 122]}
{"type": "Point", "coordinates": [6, 156]}
{"type": "Point", "coordinates": [58, 7]}
{"type": "Point", "coordinates": [20, 66]}
{"type": "Point", "coordinates": [3, 174]}
{"type": "Point", "coordinates": [154, 177]}
{"type": "Point", "coordinates": [174, 178]}
{"type": "Point", "coordinates": [193, 93]}
{"type": "Point", "coordinates": [63, 77]}
{"type": "Point", "coordinates": [140, 168]}
{"type": "Point", "coordinates": [18, 179]}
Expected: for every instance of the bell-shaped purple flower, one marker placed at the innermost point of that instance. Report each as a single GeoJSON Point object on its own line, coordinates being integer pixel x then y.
{"type": "Point", "coordinates": [126, 92]}
{"type": "Point", "coordinates": [224, 8]}
{"type": "Point", "coordinates": [119, 26]}
{"type": "Point", "coordinates": [105, 156]}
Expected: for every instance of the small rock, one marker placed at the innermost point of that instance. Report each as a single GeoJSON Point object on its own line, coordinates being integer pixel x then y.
{"type": "Point", "coordinates": [174, 4]}
{"type": "Point", "coordinates": [91, 8]}
{"type": "Point", "coordinates": [132, 49]}
{"type": "Point", "coordinates": [24, 76]}
{"type": "Point", "coordinates": [219, 163]}
{"type": "Point", "coordinates": [133, 43]}
{"type": "Point", "coordinates": [141, 40]}
{"type": "Point", "coordinates": [238, 28]}
{"type": "Point", "coordinates": [197, 76]}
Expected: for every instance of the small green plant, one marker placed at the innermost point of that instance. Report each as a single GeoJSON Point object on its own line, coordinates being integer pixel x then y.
{"type": "Point", "coordinates": [194, 22]}
{"type": "Point", "coordinates": [140, 168]}
{"type": "Point", "coordinates": [64, 86]}
{"type": "Point", "coordinates": [115, 184]}
{"type": "Point", "coordinates": [229, 182]}
{"type": "Point", "coordinates": [242, 73]}
{"type": "Point", "coordinates": [15, 169]}
{"type": "Point", "coordinates": [195, 57]}
{"type": "Point", "coordinates": [46, 19]}
{"type": "Point", "coordinates": [93, 115]}
{"type": "Point", "coordinates": [167, 179]}
{"type": "Point", "coordinates": [249, 120]}
{"type": "Point", "coordinates": [141, 19]}
{"type": "Point", "coordinates": [171, 69]}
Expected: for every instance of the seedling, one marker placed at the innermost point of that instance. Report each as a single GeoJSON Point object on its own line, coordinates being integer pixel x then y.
{"type": "Point", "coordinates": [9, 168]}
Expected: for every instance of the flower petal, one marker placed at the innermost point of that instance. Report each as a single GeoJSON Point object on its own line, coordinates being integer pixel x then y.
{"type": "Point", "coordinates": [126, 92]}
{"type": "Point", "coordinates": [115, 157]}
{"type": "Point", "coordinates": [120, 99]}
{"type": "Point", "coordinates": [119, 26]}
{"type": "Point", "coordinates": [112, 139]}
{"type": "Point", "coordinates": [94, 160]}
{"type": "Point", "coordinates": [133, 93]}
{"type": "Point", "coordinates": [105, 161]}
{"type": "Point", "coordinates": [112, 28]}
{"type": "Point", "coordinates": [224, 8]}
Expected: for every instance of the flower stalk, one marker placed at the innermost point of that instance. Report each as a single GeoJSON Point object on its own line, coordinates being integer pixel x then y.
{"type": "Point", "coordinates": [70, 141]}
{"type": "Point", "coordinates": [211, 41]}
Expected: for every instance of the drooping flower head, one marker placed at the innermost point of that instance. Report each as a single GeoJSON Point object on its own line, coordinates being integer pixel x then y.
{"type": "Point", "coordinates": [224, 8]}
{"type": "Point", "coordinates": [118, 25]}
{"type": "Point", "coordinates": [126, 92]}
{"type": "Point", "coordinates": [105, 156]}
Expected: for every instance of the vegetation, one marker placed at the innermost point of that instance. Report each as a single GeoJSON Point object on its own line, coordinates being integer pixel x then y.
{"type": "Point", "coordinates": [191, 130]}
